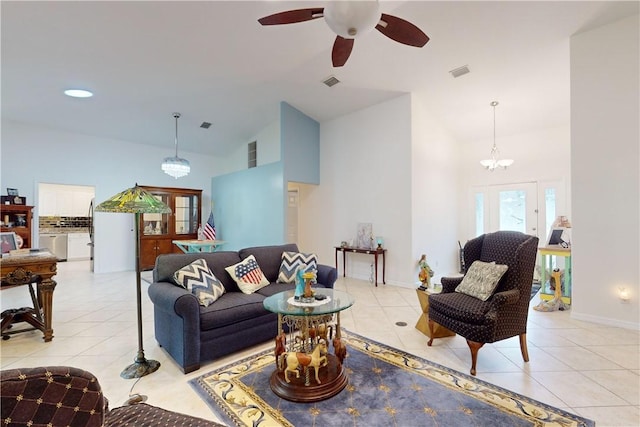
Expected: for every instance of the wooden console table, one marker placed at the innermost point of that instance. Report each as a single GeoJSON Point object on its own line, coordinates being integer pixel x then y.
{"type": "Point", "coordinates": [26, 269]}
{"type": "Point", "coordinates": [374, 252]}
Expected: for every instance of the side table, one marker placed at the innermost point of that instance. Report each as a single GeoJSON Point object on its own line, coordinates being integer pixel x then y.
{"type": "Point", "coordinates": [423, 322]}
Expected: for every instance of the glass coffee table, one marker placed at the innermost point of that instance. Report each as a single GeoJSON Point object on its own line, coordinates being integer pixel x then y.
{"type": "Point", "coordinates": [305, 369]}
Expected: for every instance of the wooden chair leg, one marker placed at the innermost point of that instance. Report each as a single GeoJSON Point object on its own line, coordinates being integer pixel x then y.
{"type": "Point", "coordinates": [474, 347]}
{"type": "Point", "coordinates": [523, 347]}
{"type": "Point", "coordinates": [431, 332]}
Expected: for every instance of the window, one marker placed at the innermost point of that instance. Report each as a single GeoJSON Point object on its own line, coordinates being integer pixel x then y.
{"type": "Point", "coordinates": [479, 214]}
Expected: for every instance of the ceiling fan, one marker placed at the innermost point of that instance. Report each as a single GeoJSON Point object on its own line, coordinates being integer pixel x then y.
{"type": "Point", "coordinates": [349, 20]}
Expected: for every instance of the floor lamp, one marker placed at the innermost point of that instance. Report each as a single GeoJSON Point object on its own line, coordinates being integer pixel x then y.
{"type": "Point", "coordinates": [137, 201]}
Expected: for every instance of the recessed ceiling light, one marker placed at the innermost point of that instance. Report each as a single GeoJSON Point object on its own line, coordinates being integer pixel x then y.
{"type": "Point", "coordinates": [78, 93]}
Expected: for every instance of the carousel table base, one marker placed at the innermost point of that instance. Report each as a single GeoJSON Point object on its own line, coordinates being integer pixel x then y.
{"type": "Point", "coordinates": [333, 379]}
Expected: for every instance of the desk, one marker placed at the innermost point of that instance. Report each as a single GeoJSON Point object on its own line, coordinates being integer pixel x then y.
{"type": "Point", "coordinates": [374, 252]}
{"type": "Point", "coordinates": [545, 255]}
{"type": "Point", "coordinates": [25, 269]}
{"type": "Point", "coordinates": [190, 246]}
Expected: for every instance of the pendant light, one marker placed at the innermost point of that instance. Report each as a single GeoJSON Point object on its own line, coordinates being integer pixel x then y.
{"type": "Point", "coordinates": [495, 162]}
{"type": "Point", "coordinates": [175, 166]}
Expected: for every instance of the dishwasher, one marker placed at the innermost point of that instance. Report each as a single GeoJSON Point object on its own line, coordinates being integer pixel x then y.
{"type": "Point", "coordinates": [56, 244]}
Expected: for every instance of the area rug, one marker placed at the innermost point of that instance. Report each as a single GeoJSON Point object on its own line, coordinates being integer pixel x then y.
{"type": "Point", "coordinates": [387, 387]}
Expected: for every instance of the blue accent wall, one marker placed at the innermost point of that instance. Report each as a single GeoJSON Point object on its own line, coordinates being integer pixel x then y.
{"type": "Point", "coordinates": [300, 145]}
{"type": "Point", "coordinates": [248, 207]}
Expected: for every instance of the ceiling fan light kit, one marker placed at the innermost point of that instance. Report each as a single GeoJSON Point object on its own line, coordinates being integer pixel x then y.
{"type": "Point", "coordinates": [176, 166]}
{"type": "Point", "coordinates": [350, 20]}
{"type": "Point", "coordinates": [495, 162]}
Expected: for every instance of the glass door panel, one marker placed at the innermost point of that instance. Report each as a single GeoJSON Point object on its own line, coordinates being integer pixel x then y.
{"type": "Point", "coordinates": [155, 223]}
{"type": "Point", "coordinates": [186, 214]}
{"type": "Point", "coordinates": [514, 207]}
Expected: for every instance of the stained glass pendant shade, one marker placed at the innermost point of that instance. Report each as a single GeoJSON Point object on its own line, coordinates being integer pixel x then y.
{"type": "Point", "coordinates": [133, 200]}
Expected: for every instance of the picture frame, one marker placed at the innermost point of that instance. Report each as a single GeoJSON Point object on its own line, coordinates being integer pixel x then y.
{"type": "Point", "coordinates": [559, 237]}
{"type": "Point", "coordinates": [12, 192]}
{"type": "Point", "coordinates": [8, 242]}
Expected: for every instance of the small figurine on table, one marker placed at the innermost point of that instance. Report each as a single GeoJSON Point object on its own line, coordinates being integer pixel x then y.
{"type": "Point", "coordinates": [300, 281]}
{"type": "Point", "coordinates": [426, 273]}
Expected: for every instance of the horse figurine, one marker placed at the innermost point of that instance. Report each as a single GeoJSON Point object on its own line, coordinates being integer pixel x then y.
{"type": "Point", "coordinates": [294, 360]}
{"type": "Point", "coordinates": [281, 342]}
{"type": "Point", "coordinates": [340, 349]}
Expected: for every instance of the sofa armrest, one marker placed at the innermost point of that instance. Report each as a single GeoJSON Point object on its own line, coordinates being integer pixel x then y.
{"type": "Point", "coordinates": [506, 298]}
{"type": "Point", "coordinates": [177, 323]}
{"type": "Point", "coordinates": [327, 275]}
{"type": "Point", "coordinates": [171, 298]}
{"type": "Point", "coordinates": [449, 284]}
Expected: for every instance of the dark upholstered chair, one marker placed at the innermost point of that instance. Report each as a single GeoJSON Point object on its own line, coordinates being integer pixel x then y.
{"type": "Point", "coordinates": [66, 396]}
{"type": "Point", "coordinates": [504, 314]}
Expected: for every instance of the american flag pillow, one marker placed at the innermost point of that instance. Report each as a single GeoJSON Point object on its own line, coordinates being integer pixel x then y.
{"type": "Point", "coordinates": [248, 275]}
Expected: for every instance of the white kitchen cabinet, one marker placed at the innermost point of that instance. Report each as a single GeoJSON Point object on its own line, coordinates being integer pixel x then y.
{"type": "Point", "coordinates": [64, 200]}
{"type": "Point", "coordinates": [78, 246]}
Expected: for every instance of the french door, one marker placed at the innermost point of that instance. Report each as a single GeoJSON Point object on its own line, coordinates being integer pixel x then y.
{"type": "Point", "coordinates": [506, 207]}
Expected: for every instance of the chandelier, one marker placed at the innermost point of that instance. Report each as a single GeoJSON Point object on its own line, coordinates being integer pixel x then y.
{"type": "Point", "coordinates": [495, 162]}
{"type": "Point", "coordinates": [176, 166]}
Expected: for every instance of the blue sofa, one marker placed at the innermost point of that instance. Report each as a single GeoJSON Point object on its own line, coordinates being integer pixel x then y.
{"type": "Point", "coordinates": [191, 333]}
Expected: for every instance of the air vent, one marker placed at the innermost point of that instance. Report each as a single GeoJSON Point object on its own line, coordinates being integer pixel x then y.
{"type": "Point", "coordinates": [460, 71]}
{"type": "Point", "coordinates": [205, 125]}
{"type": "Point", "coordinates": [331, 81]}
{"type": "Point", "coordinates": [253, 154]}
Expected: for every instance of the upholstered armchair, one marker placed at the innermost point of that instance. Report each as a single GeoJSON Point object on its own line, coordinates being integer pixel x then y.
{"type": "Point", "coordinates": [504, 312]}
{"type": "Point", "coordinates": [67, 396]}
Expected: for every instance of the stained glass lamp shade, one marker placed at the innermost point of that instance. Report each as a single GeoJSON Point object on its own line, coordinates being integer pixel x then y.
{"type": "Point", "coordinates": [136, 200]}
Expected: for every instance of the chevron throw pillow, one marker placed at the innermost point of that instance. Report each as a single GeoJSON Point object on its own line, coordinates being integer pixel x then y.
{"type": "Point", "coordinates": [200, 281]}
{"type": "Point", "coordinates": [290, 263]}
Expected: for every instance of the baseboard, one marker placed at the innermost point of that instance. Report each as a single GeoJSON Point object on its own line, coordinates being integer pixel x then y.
{"type": "Point", "coordinates": [605, 321]}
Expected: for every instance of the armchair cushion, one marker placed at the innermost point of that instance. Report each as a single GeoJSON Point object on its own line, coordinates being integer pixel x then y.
{"type": "Point", "coordinates": [200, 281]}
{"type": "Point", "coordinates": [481, 279]}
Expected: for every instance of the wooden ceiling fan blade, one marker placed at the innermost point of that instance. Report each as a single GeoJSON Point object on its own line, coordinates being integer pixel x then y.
{"type": "Point", "coordinates": [401, 31]}
{"type": "Point", "coordinates": [292, 16]}
{"type": "Point", "coordinates": [341, 50]}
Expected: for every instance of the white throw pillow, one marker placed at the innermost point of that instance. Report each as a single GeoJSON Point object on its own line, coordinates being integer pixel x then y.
{"type": "Point", "coordinates": [248, 275]}
{"type": "Point", "coordinates": [481, 279]}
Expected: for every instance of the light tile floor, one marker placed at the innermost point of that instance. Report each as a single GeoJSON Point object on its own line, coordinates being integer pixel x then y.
{"type": "Point", "coordinates": [589, 369]}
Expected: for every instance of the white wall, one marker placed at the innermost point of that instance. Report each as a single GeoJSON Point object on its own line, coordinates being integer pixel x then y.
{"type": "Point", "coordinates": [365, 176]}
{"type": "Point", "coordinates": [434, 195]}
{"type": "Point", "coordinates": [268, 146]}
{"type": "Point", "coordinates": [31, 155]}
{"type": "Point", "coordinates": [605, 159]}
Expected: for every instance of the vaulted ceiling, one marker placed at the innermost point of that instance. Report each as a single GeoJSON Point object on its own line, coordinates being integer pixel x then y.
{"type": "Point", "coordinates": [212, 61]}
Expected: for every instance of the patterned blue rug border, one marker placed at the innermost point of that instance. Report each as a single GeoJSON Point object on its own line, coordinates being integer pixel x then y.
{"type": "Point", "coordinates": [225, 393]}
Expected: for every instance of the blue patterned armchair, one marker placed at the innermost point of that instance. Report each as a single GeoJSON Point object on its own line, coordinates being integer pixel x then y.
{"type": "Point", "coordinates": [504, 314]}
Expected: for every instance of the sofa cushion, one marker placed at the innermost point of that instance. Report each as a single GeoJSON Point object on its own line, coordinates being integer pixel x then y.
{"type": "Point", "coordinates": [268, 258]}
{"type": "Point", "coordinates": [481, 279]}
{"type": "Point", "coordinates": [230, 308]}
{"type": "Point", "coordinates": [167, 264]}
{"type": "Point", "coordinates": [248, 275]}
{"type": "Point", "coordinates": [290, 263]}
{"type": "Point", "coordinates": [200, 281]}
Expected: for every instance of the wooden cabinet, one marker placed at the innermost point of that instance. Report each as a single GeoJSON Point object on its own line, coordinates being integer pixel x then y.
{"type": "Point", "coordinates": [16, 216]}
{"type": "Point", "coordinates": [157, 231]}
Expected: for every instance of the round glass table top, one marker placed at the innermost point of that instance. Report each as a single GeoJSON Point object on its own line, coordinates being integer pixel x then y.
{"type": "Point", "coordinates": [283, 303]}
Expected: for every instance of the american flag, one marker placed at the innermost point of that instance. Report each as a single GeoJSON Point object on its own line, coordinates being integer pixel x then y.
{"type": "Point", "coordinates": [210, 229]}
{"type": "Point", "coordinates": [249, 272]}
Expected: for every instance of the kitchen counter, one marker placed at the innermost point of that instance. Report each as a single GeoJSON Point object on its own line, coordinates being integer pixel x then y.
{"type": "Point", "coordinates": [63, 230]}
